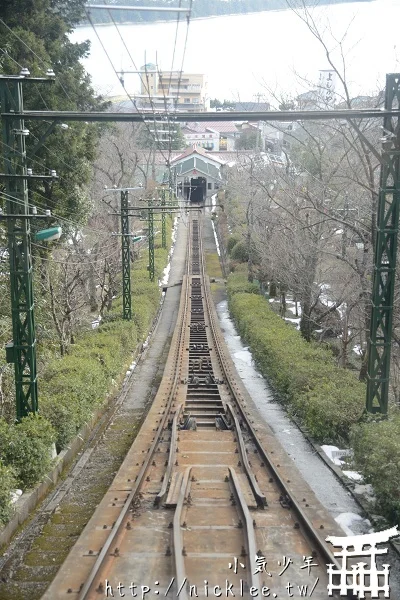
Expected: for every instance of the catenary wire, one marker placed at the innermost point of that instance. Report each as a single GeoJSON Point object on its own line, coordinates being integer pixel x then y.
{"type": "Point", "coordinates": [154, 135]}
{"type": "Point", "coordinates": [46, 64]}
{"type": "Point", "coordinates": [54, 215]}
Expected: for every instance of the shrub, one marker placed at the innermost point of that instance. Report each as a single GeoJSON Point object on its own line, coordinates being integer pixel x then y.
{"type": "Point", "coordinates": [26, 447]}
{"type": "Point", "coordinates": [328, 399]}
{"type": "Point", "coordinates": [73, 386]}
{"type": "Point", "coordinates": [232, 241]}
{"type": "Point", "coordinates": [238, 284]}
{"type": "Point", "coordinates": [8, 483]}
{"type": "Point", "coordinates": [376, 447]}
{"type": "Point", "coordinates": [240, 252]}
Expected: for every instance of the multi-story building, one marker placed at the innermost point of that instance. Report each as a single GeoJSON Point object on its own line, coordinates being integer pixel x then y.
{"type": "Point", "coordinates": [172, 89]}
{"type": "Point", "coordinates": [217, 136]}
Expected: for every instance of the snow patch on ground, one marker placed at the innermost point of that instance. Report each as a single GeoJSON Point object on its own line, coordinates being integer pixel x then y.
{"type": "Point", "coordinates": [215, 237]}
{"type": "Point", "coordinates": [295, 321]}
{"type": "Point", "coordinates": [293, 309]}
{"type": "Point", "coordinates": [245, 356]}
{"type": "Point", "coordinates": [15, 495]}
{"type": "Point", "coordinates": [350, 523]}
{"type": "Point", "coordinates": [335, 454]}
{"type": "Point", "coordinates": [167, 269]}
{"type": "Point", "coordinates": [96, 322]}
{"type": "Point", "coordinates": [353, 475]}
{"type": "Point", "coordinates": [365, 489]}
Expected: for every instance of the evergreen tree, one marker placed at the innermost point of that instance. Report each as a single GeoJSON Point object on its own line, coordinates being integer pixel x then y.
{"type": "Point", "coordinates": [34, 34]}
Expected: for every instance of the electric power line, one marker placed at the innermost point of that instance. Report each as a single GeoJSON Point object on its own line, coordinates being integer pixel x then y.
{"type": "Point", "coordinates": [155, 134]}
{"type": "Point", "coordinates": [46, 64]}
{"type": "Point", "coordinates": [54, 215]}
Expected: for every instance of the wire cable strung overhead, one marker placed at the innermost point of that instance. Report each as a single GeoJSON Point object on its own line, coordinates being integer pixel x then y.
{"type": "Point", "coordinates": [154, 133]}
{"type": "Point", "coordinates": [47, 65]}
{"type": "Point", "coordinates": [55, 215]}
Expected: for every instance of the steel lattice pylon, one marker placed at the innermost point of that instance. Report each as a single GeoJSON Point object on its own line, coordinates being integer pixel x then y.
{"type": "Point", "coordinates": [22, 351]}
{"type": "Point", "coordinates": [151, 240]}
{"type": "Point", "coordinates": [385, 256]}
{"type": "Point", "coordinates": [163, 222]}
{"type": "Point", "coordinates": [126, 259]}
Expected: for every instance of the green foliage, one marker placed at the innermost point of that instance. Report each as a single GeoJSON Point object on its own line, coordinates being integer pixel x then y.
{"type": "Point", "coordinates": [238, 284]}
{"type": "Point", "coordinates": [329, 400]}
{"type": "Point", "coordinates": [35, 35]}
{"type": "Point", "coordinates": [232, 241]}
{"type": "Point", "coordinates": [249, 139]}
{"type": "Point", "coordinates": [73, 386]}
{"type": "Point", "coordinates": [376, 447]}
{"type": "Point", "coordinates": [8, 483]}
{"type": "Point", "coordinates": [240, 252]}
{"type": "Point", "coordinates": [26, 447]}
{"type": "Point", "coordinates": [225, 104]}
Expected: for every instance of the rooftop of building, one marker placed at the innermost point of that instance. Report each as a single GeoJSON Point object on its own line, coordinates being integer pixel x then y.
{"type": "Point", "coordinates": [204, 126]}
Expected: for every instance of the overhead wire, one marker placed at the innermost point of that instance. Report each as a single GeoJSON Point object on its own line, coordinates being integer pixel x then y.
{"type": "Point", "coordinates": [16, 200]}
{"type": "Point", "coordinates": [185, 45]}
{"type": "Point", "coordinates": [46, 64]}
{"type": "Point", "coordinates": [143, 114]}
{"type": "Point", "coordinates": [154, 135]}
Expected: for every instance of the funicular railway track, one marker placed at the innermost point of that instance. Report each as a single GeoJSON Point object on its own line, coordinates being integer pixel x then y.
{"type": "Point", "coordinates": [205, 488]}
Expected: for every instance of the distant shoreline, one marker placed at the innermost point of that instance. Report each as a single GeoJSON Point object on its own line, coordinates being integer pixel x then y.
{"type": "Point", "coordinates": [233, 14]}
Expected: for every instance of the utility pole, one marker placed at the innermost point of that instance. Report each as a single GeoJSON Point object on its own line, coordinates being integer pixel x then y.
{"type": "Point", "coordinates": [22, 350]}
{"type": "Point", "coordinates": [163, 223]}
{"type": "Point", "coordinates": [150, 235]}
{"type": "Point", "coordinates": [380, 340]}
{"type": "Point", "coordinates": [250, 220]}
{"type": "Point", "coordinates": [126, 258]}
{"type": "Point", "coordinates": [125, 248]}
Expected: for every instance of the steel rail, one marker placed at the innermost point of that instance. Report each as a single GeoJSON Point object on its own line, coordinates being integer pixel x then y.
{"type": "Point", "coordinates": [117, 528]}
{"type": "Point", "coordinates": [171, 458]}
{"type": "Point", "coordinates": [250, 537]}
{"type": "Point", "coordinates": [259, 496]}
{"type": "Point", "coordinates": [307, 525]}
{"type": "Point", "coordinates": [177, 535]}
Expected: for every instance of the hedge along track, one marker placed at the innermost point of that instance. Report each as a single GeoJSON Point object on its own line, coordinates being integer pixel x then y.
{"type": "Point", "coordinates": [204, 489]}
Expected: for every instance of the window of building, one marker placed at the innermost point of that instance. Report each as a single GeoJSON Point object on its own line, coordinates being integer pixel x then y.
{"type": "Point", "coordinates": [209, 186]}
{"type": "Point", "coordinates": [187, 100]}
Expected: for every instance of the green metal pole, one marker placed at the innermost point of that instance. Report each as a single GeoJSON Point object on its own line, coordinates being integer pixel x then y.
{"type": "Point", "coordinates": [385, 257]}
{"type": "Point", "coordinates": [151, 240]}
{"type": "Point", "coordinates": [163, 222]}
{"type": "Point", "coordinates": [126, 259]}
{"type": "Point", "coordinates": [22, 351]}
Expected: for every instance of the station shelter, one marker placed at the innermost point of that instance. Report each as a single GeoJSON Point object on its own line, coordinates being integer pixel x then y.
{"type": "Point", "coordinates": [197, 174]}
